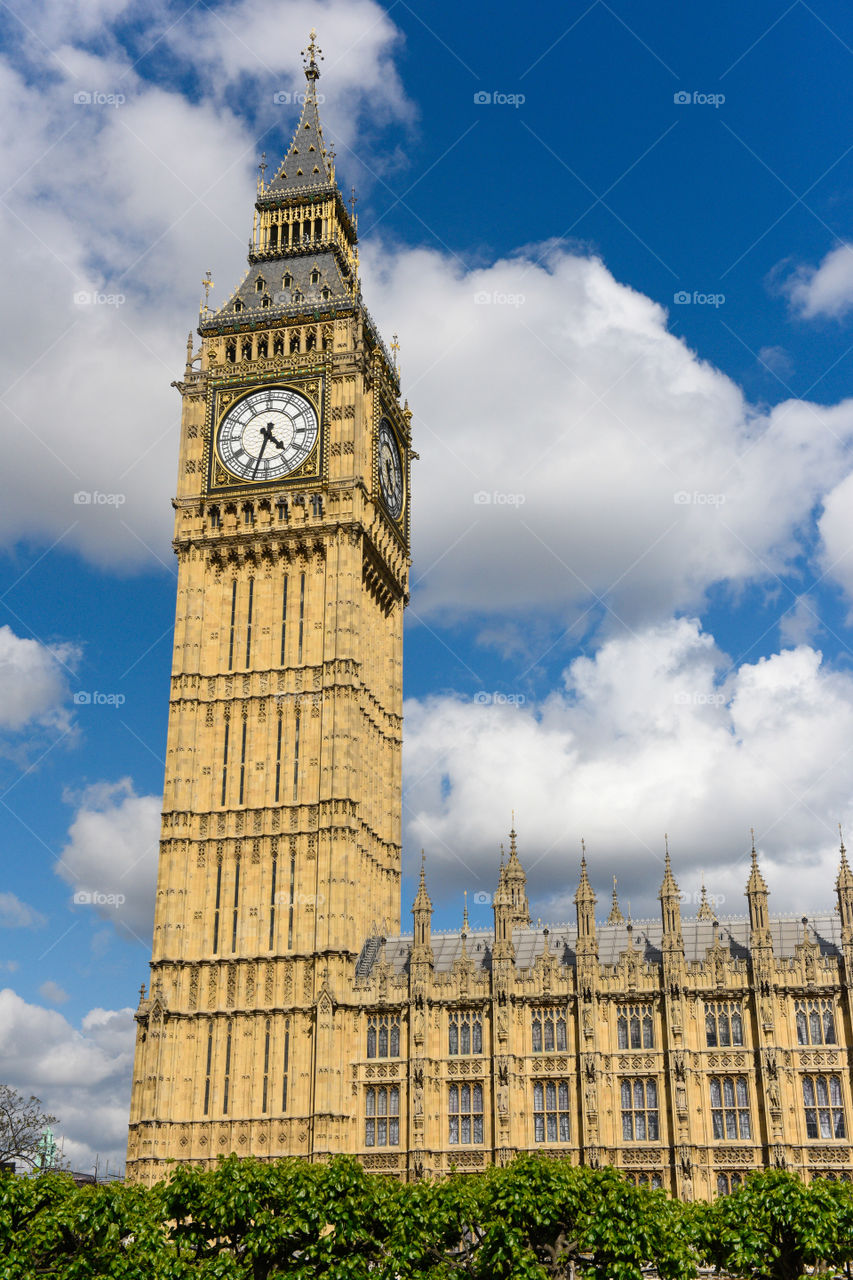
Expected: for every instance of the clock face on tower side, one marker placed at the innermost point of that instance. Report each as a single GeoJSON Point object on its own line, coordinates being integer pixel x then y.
{"type": "Point", "coordinates": [267, 435]}
{"type": "Point", "coordinates": [390, 469]}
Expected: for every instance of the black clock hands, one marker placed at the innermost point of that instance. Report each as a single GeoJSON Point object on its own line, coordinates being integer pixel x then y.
{"type": "Point", "coordinates": [268, 438]}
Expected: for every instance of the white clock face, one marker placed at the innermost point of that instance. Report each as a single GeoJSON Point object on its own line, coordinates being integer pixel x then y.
{"type": "Point", "coordinates": [267, 435]}
{"type": "Point", "coordinates": [390, 470]}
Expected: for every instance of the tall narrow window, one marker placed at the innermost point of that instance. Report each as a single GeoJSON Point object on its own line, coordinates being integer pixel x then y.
{"type": "Point", "coordinates": [243, 763]}
{"type": "Point", "coordinates": [551, 1111]}
{"type": "Point", "coordinates": [207, 1067]}
{"type": "Point", "coordinates": [465, 1033]}
{"type": "Point", "coordinates": [723, 1026]}
{"type": "Point", "coordinates": [236, 905]}
{"type": "Point", "coordinates": [548, 1027]}
{"type": "Point", "coordinates": [227, 1084]}
{"type": "Point", "coordinates": [383, 1036]}
{"type": "Point", "coordinates": [283, 619]}
{"type": "Point", "coordinates": [286, 1066]}
{"type": "Point", "coordinates": [233, 617]}
{"type": "Point", "coordinates": [634, 1027]}
{"type": "Point", "coordinates": [640, 1111]}
{"type": "Point", "coordinates": [730, 1107]}
{"type": "Point", "coordinates": [216, 908]}
{"type": "Point", "coordinates": [266, 1066]}
{"type": "Point", "coordinates": [301, 614]}
{"type": "Point", "coordinates": [249, 622]}
{"type": "Point", "coordinates": [296, 756]}
{"type": "Point", "coordinates": [824, 1107]}
{"type": "Point", "coordinates": [815, 1022]}
{"type": "Point", "coordinates": [272, 901]}
{"type": "Point", "coordinates": [225, 762]}
{"type": "Point", "coordinates": [290, 906]}
{"type": "Point", "coordinates": [382, 1116]}
{"type": "Point", "coordinates": [465, 1114]}
{"type": "Point", "coordinates": [278, 760]}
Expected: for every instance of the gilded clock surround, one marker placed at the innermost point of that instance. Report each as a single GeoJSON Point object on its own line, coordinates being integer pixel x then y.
{"type": "Point", "coordinates": [287, 1010]}
{"type": "Point", "coordinates": [224, 397]}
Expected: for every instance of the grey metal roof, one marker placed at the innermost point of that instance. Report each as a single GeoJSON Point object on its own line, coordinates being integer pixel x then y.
{"type": "Point", "coordinates": [733, 934]}
{"type": "Point", "coordinates": [299, 267]}
{"type": "Point", "coordinates": [306, 162]}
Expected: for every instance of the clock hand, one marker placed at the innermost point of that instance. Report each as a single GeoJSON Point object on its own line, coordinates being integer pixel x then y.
{"type": "Point", "coordinates": [264, 431]}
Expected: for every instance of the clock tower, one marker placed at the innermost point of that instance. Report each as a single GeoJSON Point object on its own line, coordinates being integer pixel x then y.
{"type": "Point", "coordinates": [280, 843]}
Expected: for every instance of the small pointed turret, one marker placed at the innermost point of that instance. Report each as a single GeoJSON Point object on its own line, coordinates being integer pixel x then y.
{"type": "Point", "coordinates": [502, 907]}
{"type": "Point", "coordinates": [844, 889]}
{"type": "Point", "coordinates": [585, 901]}
{"type": "Point", "coordinates": [757, 894]}
{"type": "Point", "coordinates": [516, 883]}
{"type": "Point", "coordinates": [704, 912]}
{"type": "Point", "coordinates": [422, 912]}
{"type": "Point", "coordinates": [616, 916]}
{"type": "Point", "coordinates": [670, 905]}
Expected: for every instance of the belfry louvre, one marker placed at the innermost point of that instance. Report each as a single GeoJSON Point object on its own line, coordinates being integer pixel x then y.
{"type": "Point", "coordinates": [287, 1012]}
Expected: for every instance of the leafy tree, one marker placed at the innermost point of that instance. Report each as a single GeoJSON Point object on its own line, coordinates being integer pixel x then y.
{"type": "Point", "coordinates": [21, 1124]}
{"type": "Point", "coordinates": [774, 1227]}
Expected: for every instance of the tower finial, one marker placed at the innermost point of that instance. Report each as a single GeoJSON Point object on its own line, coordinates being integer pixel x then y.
{"type": "Point", "coordinates": [312, 53]}
{"type": "Point", "coordinates": [395, 347]}
{"type": "Point", "coordinates": [465, 912]}
{"type": "Point", "coordinates": [841, 850]}
{"type": "Point", "coordinates": [207, 285]}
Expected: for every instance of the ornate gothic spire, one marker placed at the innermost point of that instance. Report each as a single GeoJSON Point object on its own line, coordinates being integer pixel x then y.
{"type": "Point", "coordinates": [516, 883]}
{"type": "Point", "coordinates": [704, 912]}
{"type": "Point", "coordinates": [585, 901]}
{"type": "Point", "coordinates": [616, 916]}
{"type": "Point", "coordinates": [844, 889]}
{"type": "Point", "coordinates": [422, 911]}
{"type": "Point", "coordinates": [757, 894]}
{"type": "Point", "coordinates": [670, 905]}
{"type": "Point", "coordinates": [306, 163]}
{"type": "Point", "coordinates": [302, 254]}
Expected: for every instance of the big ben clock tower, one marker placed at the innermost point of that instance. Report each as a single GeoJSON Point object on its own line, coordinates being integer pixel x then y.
{"type": "Point", "coordinates": [280, 848]}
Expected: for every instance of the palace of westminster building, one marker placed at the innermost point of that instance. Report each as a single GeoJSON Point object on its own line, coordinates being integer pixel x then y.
{"type": "Point", "coordinates": [287, 1013]}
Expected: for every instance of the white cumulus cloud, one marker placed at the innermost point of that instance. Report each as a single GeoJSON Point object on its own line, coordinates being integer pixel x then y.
{"type": "Point", "coordinates": [81, 1076]}
{"type": "Point", "coordinates": [657, 733]}
{"type": "Point", "coordinates": [111, 855]}
{"type": "Point", "coordinates": [825, 290]}
{"type": "Point", "coordinates": [33, 681]}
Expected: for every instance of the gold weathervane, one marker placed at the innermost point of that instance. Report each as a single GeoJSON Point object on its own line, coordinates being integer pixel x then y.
{"type": "Point", "coordinates": [207, 285]}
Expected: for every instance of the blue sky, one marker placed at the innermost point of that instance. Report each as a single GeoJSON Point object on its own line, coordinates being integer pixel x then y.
{"type": "Point", "coordinates": [644, 628]}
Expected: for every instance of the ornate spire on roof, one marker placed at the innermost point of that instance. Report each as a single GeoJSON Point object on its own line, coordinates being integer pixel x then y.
{"type": "Point", "coordinates": [465, 925]}
{"type": "Point", "coordinates": [616, 916]}
{"type": "Point", "coordinates": [422, 900]}
{"type": "Point", "coordinates": [669, 888]}
{"type": "Point", "coordinates": [756, 883]}
{"type": "Point", "coordinates": [704, 912]}
{"type": "Point", "coordinates": [844, 889]}
{"type": "Point", "coordinates": [307, 163]}
{"type": "Point", "coordinates": [584, 892]}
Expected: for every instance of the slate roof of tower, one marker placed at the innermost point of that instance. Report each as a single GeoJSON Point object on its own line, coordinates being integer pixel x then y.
{"type": "Point", "coordinates": [698, 936]}
{"type": "Point", "coordinates": [306, 162]}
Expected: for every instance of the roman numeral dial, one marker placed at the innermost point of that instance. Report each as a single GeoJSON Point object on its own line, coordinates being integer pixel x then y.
{"type": "Point", "coordinates": [267, 434]}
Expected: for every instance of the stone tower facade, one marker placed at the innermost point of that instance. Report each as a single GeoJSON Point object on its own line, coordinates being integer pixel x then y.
{"type": "Point", "coordinates": [287, 1012]}
{"type": "Point", "coordinates": [281, 809]}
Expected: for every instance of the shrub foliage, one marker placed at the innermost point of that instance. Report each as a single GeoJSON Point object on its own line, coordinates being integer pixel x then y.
{"type": "Point", "coordinates": [533, 1220]}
